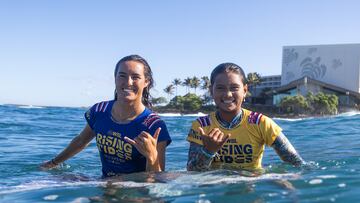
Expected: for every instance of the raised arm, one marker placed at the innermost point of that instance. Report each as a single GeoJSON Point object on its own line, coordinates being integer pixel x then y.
{"type": "Point", "coordinates": [200, 157]}
{"type": "Point", "coordinates": [286, 151]}
{"type": "Point", "coordinates": [159, 165]}
{"type": "Point", "coordinates": [75, 146]}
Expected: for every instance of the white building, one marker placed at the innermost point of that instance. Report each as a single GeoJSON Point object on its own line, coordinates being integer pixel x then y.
{"type": "Point", "coordinates": [338, 65]}
{"type": "Point", "coordinates": [321, 68]}
{"type": "Point", "coordinates": [270, 82]}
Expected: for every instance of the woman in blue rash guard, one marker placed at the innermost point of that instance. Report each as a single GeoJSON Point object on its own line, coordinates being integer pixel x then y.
{"type": "Point", "coordinates": [129, 136]}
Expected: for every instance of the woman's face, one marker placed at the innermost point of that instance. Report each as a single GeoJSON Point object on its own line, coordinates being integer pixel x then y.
{"type": "Point", "coordinates": [228, 92]}
{"type": "Point", "coordinates": [130, 81]}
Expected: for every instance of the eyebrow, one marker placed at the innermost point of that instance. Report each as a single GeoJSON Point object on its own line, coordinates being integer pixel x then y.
{"type": "Point", "coordinates": [133, 74]}
{"type": "Point", "coordinates": [232, 84]}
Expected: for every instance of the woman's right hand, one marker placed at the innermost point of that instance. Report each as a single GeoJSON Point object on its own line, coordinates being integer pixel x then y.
{"type": "Point", "coordinates": [214, 140]}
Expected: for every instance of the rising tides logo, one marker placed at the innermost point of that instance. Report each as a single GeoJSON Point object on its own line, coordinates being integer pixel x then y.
{"type": "Point", "coordinates": [114, 145]}
{"type": "Point", "coordinates": [231, 152]}
{"type": "Point", "coordinates": [235, 153]}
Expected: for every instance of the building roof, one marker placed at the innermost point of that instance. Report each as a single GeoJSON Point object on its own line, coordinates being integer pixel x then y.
{"type": "Point", "coordinates": [271, 76]}
{"type": "Point", "coordinates": [317, 45]}
{"type": "Point", "coordinates": [307, 80]}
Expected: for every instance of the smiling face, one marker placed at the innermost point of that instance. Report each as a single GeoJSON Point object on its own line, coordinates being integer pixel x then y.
{"type": "Point", "coordinates": [130, 81]}
{"type": "Point", "coordinates": [228, 92]}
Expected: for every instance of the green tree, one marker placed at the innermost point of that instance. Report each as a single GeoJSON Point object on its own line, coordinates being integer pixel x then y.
{"type": "Point", "coordinates": [207, 99]}
{"type": "Point", "coordinates": [310, 98]}
{"type": "Point", "coordinates": [205, 83]}
{"type": "Point", "coordinates": [187, 83]}
{"type": "Point", "coordinates": [195, 83]}
{"type": "Point", "coordinates": [177, 103]}
{"type": "Point", "coordinates": [176, 82]}
{"type": "Point", "coordinates": [158, 100]}
{"type": "Point", "coordinates": [253, 80]}
{"type": "Point", "coordinates": [294, 104]}
{"type": "Point", "coordinates": [323, 103]}
{"type": "Point", "coordinates": [169, 90]}
{"type": "Point", "coordinates": [192, 102]}
{"type": "Point", "coordinates": [187, 103]}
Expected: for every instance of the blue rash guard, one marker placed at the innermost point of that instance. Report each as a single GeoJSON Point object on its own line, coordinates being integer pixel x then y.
{"type": "Point", "coordinates": [117, 155]}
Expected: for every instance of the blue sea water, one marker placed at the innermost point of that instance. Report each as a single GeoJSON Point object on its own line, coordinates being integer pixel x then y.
{"type": "Point", "coordinates": [29, 135]}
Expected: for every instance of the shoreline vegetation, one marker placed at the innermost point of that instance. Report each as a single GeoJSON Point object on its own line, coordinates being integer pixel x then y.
{"type": "Point", "coordinates": [270, 111]}
{"type": "Point", "coordinates": [291, 106]}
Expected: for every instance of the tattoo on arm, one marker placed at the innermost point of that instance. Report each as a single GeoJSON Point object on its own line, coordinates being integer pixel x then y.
{"type": "Point", "coordinates": [197, 160]}
{"type": "Point", "coordinates": [286, 151]}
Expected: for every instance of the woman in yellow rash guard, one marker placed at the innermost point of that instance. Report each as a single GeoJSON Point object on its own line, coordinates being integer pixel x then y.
{"type": "Point", "coordinates": [234, 137]}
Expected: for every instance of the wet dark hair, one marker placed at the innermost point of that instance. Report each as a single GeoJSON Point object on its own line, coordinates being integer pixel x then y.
{"type": "Point", "coordinates": [148, 76]}
{"type": "Point", "coordinates": [225, 68]}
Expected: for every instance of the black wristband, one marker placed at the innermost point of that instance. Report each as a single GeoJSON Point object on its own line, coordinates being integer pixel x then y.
{"type": "Point", "coordinates": [207, 153]}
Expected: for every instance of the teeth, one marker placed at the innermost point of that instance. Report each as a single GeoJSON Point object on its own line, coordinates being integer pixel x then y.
{"type": "Point", "coordinates": [127, 90]}
{"type": "Point", "coordinates": [228, 101]}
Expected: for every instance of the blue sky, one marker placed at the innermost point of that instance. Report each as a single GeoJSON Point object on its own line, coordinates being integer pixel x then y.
{"type": "Point", "coordinates": [63, 53]}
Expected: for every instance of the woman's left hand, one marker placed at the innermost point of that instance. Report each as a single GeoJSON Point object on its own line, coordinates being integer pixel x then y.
{"type": "Point", "coordinates": [48, 165]}
{"type": "Point", "coordinates": [146, 145]}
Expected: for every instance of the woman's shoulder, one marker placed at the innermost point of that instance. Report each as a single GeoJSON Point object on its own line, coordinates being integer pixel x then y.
{"type": "Point", "coordinates": [98, 110]}
{"type": "Point", "coordinates": [151, 118]}
{"type": "Point", "coordinates": [254, 117]}
{"type": "Point", "coordinates": [102, 106]}
{"type": "Point", "coordinates": [204, 121]}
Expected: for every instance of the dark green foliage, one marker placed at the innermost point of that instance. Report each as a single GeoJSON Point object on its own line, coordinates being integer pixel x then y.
{"type": "Point", "coordinates": [177, 103]}
{"type": "Point", "coordinates": [253, 79]}
{"type": "Point", "coordinates": [320, 104]}
{"type": "Point", "coordinates": [169, 90]}
{"type": "Point", "coordinates": [158, 100]}
{"type": "Point", "coordinates": [207, 99]}
{"type": "Point", "coordinates": [294, 104]}
{"type": "Point", "coordinates": [323, 103]}
{"type": "Point", "coordinates": [188, 103]}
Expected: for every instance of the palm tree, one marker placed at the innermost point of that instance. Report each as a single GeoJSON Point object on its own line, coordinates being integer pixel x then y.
{"type": "Point", "coordinates": [187, 83]}
{"type": "Point", "coordinates": [207, 98]}
{"type": "Point", "coordinates": [253, 80]}
{"type": "Point", "coordinates": [205, 83]}
{"type": "Point", "coordinates": [195, 82]}
{"type": "Point", "coordinates": [169, 90]}
{"type": "Point", "coordinates": [158, 100]}
{"type": "Point", "coordinates": [176, 82]}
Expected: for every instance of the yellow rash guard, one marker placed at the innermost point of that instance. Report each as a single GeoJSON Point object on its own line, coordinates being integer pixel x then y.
{"type": "Point", "coordinates": [245, 147]}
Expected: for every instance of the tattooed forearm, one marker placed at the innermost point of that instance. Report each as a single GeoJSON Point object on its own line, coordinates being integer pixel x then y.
{"type": "Point", "coordinates": [197, 160]}
{"type": "Point", "coordinates": [286, 151]}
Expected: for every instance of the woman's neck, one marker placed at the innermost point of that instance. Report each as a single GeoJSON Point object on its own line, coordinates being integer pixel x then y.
{"type": "Point", "coordinates": [229, 116]}
{"type": "Point", "coordinates": [126, 111]}
{"type": "Point", "coordinates": [235, 120]}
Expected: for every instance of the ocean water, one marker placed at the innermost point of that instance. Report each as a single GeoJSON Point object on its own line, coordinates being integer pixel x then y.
{"type": "Point", "coordinates": [29, 135]}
